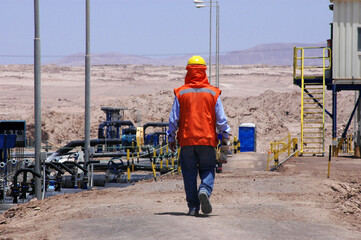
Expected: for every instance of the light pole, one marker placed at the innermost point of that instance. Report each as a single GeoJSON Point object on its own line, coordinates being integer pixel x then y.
{"type": "Point", "coordinates": [37, 99]}
{"type": "Point", "coordinates": [200, 4]}
{"type": "Point", "coordinates": [87, 87]}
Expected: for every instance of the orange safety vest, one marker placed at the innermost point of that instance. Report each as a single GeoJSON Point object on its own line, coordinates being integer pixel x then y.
{"type": "Point", "coordinates": [197, 116]}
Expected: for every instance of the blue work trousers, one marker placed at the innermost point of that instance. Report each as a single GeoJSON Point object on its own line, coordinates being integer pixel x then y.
{"type": "Point", "coordinates": [196, 159]}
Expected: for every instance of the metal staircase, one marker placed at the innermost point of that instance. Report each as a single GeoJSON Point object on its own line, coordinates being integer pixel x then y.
{"type": "Point", "coordinates": [313, 89]}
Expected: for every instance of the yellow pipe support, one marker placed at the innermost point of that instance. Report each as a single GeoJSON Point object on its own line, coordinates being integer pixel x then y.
{"type": "Point", "coordinates": [239, 147]}
{"type": "Point", "coordinates": [167, 159]}
{"type": "Point", "coordinates": [161, 157]}
{"type": "Point", "coordinates": [154, 172]}
{"type": "Point", "coordinates": [128, 171]}
{"type": "Point", "coordinates": [172, 162]}
{"type": "Point", "coordinates": [128, 165]}
{"type": "Point", "coordinates": [137, 157]}
{"type": "Point", "coordinates": [178, 162]}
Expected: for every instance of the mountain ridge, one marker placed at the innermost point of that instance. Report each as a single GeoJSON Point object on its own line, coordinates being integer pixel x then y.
{"type": "Point", "coordinates": [278, 54]}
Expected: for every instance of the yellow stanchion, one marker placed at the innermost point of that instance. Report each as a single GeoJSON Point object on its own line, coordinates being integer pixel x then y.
{"type": "Point", "coordinates": [161, 158]}
{"type": "Point", "coordinates": [133, 156]}
{"type": "Point", "coordinates": [166, 160]}
{"type": "Point", "coordinates": [128, 167]}
{"type": "Point", "coordinates": [235, 145]}
{"type": "Point", "coordinates": [178, 162]}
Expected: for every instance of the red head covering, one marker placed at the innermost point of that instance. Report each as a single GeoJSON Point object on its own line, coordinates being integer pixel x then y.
{"type": "Point", "coordinates": [196, 76]}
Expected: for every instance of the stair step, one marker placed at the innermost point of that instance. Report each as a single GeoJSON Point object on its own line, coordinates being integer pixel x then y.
{"type": "Point", "coordinates": [312, 98]}
{"type": "Point", "coordinates": [314, 88]}
{"type": "Point", "coordinates": [313, 153]}
{"type": "Point", "coordinates": [307, 108]}
{"type": "Point", "coordinates": [313, 93]}
{"type": "Point", "coordinates": [312, 117]}
{"type": "Point", "coordinates": [312, 112]}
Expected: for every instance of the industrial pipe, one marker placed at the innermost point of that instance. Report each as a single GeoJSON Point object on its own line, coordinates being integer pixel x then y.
{"type": "Point", "coordinates": [111, 123]}
{"type": "Point", "coordinates": [154, 124]}
{"type": "Point", "coordinates": [15, 188]}
{"type": "Point", "coordinates": [71, 145]}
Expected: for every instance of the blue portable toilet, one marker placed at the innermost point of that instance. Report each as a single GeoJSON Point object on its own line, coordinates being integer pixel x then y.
{"type": "Point", "coordinates": [247, 137]}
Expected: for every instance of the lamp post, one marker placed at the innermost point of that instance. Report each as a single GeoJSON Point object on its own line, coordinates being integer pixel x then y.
{"type": "Point", "coordinates": [200, 4]}
{"type": "Point", "coordinates": [37, 98]}
{"type": "Point", "coordinates": [87, 87]}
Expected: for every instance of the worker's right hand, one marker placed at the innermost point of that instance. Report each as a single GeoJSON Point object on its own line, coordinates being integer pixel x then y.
{"type": "Point", "coordinates": [172, 146]}
{"type": "Point", "coordinates": [225, 148]}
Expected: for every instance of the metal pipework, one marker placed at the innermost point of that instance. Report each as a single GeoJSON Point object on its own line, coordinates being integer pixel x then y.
{"type": "Point", "coordinates": [71, 145]}
{"type": "Point", "coordinates": [111, 123]}
{"type": "Point", "coordinates": [154, 124]}
{"type": "Point", "coordinates": [15, 189]}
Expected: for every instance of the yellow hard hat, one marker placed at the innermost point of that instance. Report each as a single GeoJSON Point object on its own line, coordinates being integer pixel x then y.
{"type": "Point", "coordinates": [196, 60]}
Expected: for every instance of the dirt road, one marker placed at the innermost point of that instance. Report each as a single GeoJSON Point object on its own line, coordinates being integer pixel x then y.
{"type": "Point", "coordinates": [298, 202]}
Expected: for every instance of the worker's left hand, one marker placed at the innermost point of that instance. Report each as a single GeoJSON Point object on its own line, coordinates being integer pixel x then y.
{"type": "Point", "coordinates": [172, 146]}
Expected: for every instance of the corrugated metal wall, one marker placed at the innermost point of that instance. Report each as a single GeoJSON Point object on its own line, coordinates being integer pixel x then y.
{"type": "Point", "coordinates": [346, 21]}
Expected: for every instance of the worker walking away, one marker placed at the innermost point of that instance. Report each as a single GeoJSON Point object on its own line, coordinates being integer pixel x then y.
{"type": "Point", "coordinates": [198, 115]}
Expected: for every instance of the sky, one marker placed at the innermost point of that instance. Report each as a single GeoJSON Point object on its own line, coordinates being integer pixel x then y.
{"type": "Point", "coordinates": [156, 28]}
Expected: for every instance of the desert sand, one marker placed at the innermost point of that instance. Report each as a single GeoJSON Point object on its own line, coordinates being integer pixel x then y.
{"type": "Point", "coordinates": [260, 94]}
{"type": "Point", "coordinates": [297, 202]}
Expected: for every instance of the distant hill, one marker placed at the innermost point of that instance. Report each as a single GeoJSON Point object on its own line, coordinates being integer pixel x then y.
{"type": "Point", "coordinates": [271, 54]}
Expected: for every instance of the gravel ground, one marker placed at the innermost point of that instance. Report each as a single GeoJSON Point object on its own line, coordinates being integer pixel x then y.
{"type": "Point", "coordinates": [296, 202]}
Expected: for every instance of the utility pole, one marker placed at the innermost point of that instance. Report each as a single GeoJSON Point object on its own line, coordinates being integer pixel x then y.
{"type": "Point", "coordinates": [87, 87]}
{"type": "Point", "coordinates": [37, 99]}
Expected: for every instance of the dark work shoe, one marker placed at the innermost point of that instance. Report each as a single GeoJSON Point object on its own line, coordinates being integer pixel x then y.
{"type": "Point", "coordinates": [206, 206]}
{"type": "Point", "coordinates": [193, 212]}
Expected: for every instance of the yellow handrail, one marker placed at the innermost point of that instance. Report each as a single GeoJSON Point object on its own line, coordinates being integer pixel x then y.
{"type": "Point", "coordinates": [326, 58]}
{"type": "Point", "coordinates": [324, 91]}
{"type": "Point", "coordinates": [278, 147]}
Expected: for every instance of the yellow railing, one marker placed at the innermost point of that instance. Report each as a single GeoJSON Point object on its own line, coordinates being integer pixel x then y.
{"type": "Point", "coordinates": [279, 147]}
{"type": "Point", "coordinates": [326, 58]}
